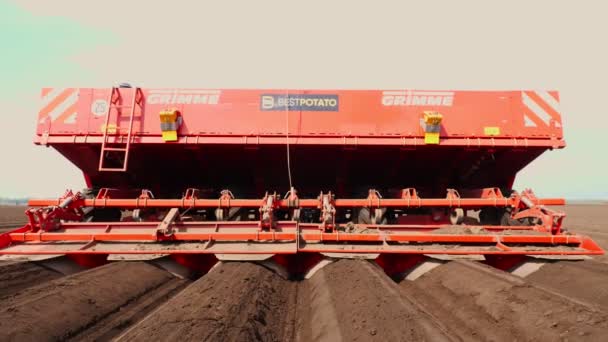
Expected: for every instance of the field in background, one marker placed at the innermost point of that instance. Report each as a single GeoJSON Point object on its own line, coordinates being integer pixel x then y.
{"type": "Point", "coordinates": [11, 216]}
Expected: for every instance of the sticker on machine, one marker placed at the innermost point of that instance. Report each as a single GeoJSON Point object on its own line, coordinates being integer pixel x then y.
{"type": "Point", "coordinates": [300, 102]}
{"type": "Point", "coordinates": [99, 107]}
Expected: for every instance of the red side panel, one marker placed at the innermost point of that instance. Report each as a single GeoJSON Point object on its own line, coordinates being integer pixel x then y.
{"type": "Point", "coordinates": [310, 113]}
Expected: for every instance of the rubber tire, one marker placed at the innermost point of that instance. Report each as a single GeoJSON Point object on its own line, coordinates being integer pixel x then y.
{"type": "Point", "coordinates": [234, 214]}
{"type": "Point", "coordinates": [457, 216]}
{"type": "Point", "coordinates": [363, 217]}
{"type": "Point", "coordinates": [99, 214]}
{"type": "Point", "coordinates": [507, 220]}
{"type": "Point", "coordinates": [489, 216]}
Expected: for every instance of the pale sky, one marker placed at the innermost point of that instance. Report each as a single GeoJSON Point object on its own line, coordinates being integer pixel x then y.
{"type": "Point", "coordinates": [482, 45]}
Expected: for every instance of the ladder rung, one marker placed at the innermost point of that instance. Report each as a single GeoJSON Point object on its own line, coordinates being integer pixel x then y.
{"type": "Point", "coordinates": [119, 116]}
{"type": "Point", "coordinates": [122, 149]}
{"type": "Point", "coordinates": [111, 169]}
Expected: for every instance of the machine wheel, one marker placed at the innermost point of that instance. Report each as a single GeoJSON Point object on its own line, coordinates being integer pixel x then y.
{"type": "Point", "coordinates": [105, 215]}
{"type": "Point", "coordinates": [457, 216]}
{"type": "Point", "coordinates": [365, 216]}
{"type": "Point", "coordinates": [99, 214]}
{"type": "Point", "coordinates": [507, 220]}
{"type": "Point", "coordinates": [233, 214]}
{"type": "Point", "coordinates": [490, 216]}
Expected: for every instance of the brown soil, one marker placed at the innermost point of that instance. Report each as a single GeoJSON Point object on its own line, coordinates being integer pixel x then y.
{"type": "Point", "coordinates": [62, 308]}
{"type": "Point", "coordinates": [590, 220]}
{"type": "Point", "coordinates": [478, 302]}
{"type": "Point", "coordinates": [602, 241]}
{"type": "Point", "coordinates": [583, 280]}
{"type": "Point", "coordinates": [352, 300]}
{"type": "Point", "coordinates": [12, 213]}
{"type": "Point", "coordinates": [234, 302]}
{"type": "Point", "coordinates": [11, 217]}
{"type": "Point", "coordinates": [18, 276]}
{"type": "Point", "coordinates": [131, 313]}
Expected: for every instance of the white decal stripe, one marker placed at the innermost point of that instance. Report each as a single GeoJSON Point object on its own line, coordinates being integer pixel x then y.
{"type": "Point", "coordinates": [528, 121]}
{"type": "Point", "coordinates": [535, 108]}
{"type": "Point", "coordinates": [70, 119]}
{"type": "Point", "coordinates": [64, 105]}
{"type": "Point", "coordinates": [550, 100]}
{"type": "Point", "coordinates": [51, 96]}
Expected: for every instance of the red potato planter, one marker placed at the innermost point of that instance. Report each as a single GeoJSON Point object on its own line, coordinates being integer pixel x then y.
{"type": "Point", "coordinates": [297, 175]}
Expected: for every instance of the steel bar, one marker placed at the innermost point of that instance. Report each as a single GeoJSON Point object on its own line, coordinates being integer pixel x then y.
{"type": "Point", "coordinates": [303, 203]}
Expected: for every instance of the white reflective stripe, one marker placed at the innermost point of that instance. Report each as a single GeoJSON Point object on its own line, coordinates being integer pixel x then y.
{"type": "Point", "coordinates": [550, 100]}
{"type": "Point", "coordinates": [64, 105]}
{"type": "Point", "coordinates": [46, 99]}
{"type": "Point", "coordinates": [168, 126]}
{"type": "Point", "coordinates": [70, 119]}
{"type": "Point", "coordinates": [528, 121]}
{"type": "Point", "coordinates": [535, 108]}
{"type": "Point", "coordinates": [432, 128]}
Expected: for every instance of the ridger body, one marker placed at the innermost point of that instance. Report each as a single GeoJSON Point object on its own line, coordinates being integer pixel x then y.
{"type": "Point", "coordinates": [297, 176]}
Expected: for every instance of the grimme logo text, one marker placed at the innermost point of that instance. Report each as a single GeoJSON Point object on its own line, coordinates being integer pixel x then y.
{"type": "Point", "coordinates": [417, 98]}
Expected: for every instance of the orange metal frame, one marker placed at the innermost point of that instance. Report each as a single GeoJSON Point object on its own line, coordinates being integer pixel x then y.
{"type": "Point", "coordinates": [303, 203]}
{"type": "Point", "coordinates": [48, 225]}
{"type": "Point", "coordinates": [308, 238]}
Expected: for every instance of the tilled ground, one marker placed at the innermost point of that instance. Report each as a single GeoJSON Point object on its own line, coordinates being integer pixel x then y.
{"type": "Point", "coordinates": [21, 275]}
{"type": "Point", "coordinates": [352, 300]}
{"type": "Point", "coordinates": [11, 216]}
{"type": "Point", "coordinates": [479, 303]}
{"type": "Point", "coordinates": [591, 220]}
{"type": "Point", "coordinates": [348, 300]}
{"type": "Point", "coordinates": [66, 307]}
{"type": "Point", "coordinates": [233, 302]}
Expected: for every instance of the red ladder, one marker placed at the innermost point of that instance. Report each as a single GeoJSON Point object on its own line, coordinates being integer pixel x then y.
{"type": "Point", "coordinates": [118, 145]}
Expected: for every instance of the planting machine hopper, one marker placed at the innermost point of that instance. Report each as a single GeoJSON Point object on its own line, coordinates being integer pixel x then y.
{"type": "Point", "coordinates": [297, 175]}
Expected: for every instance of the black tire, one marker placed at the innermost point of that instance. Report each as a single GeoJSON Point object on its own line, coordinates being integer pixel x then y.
{"type": "Point", "coordinates": [490, 216]}
{"type": "Point", "coordinates": [507, 220]}
{"type": "Point", "coordinates": [99, 214]}
{"type": "Point", "coordinates": [457, 216]}
{"type": "Point", "coordinates": [364, 216]}
{"type": "Point", "coordinates": [233, 214]}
